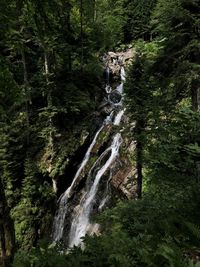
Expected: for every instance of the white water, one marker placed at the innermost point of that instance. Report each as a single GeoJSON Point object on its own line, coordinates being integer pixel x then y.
{"type": "Point", "coordinates": [81, 221]}
{"type": "Point", "coordinates": [106, 194]}
{"type": "Point", "coordinates": [118, 117]}
{"type": "Point", "coordinates": [108, 119]}
{"type": "Point", "coordinates": [108, 89]}
{"type": "Point", "coordinates": [123, 74]}
{"type": "Point", "coordinates": [58, 224]}
{"type": "Point", "coordinates": [120, 88]}
{"type": "Point", "coordinates": [103, 202]}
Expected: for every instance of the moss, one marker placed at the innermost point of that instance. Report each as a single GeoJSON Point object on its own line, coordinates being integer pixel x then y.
{"type": "Point", "coordinates": [105, 133]}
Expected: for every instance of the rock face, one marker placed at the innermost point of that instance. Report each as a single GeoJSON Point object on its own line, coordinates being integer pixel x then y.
{"type": "Point", "coordinates": [114, 61]}
{"type": "Point", "coordinates": [124, 179]}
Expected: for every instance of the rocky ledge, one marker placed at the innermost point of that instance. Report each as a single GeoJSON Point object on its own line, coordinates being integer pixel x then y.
{"type": "Point", "coordinates": [114, 60]}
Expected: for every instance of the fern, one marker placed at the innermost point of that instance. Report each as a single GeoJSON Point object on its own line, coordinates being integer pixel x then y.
{"type": "Point", "coordinates": [194, 229]}
{"type": "Point", "coordinates": [192, 264]}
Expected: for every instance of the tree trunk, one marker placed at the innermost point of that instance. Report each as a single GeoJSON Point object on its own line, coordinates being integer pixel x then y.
{"type": "Point", "coordinates": [81, 13]}
{"type": "Point", "coordinates": [139, 156]}
{"type": "Point", "coordinates": [49, 95]}
{"type": "Point", "coordinates": [196, 98]}
{"type": "Point", "coordinates": [47, 72]}
{"type": "Point", "coordinates": [7, 233]}
{"type": "Point", "coordinates": [94, 11]}
{"type": "Point", "coordinates": [67, 24]}
{"type": "Point", "coordinates": [3, 245]}
{"type": "Point", "coordinates": [26, 91]}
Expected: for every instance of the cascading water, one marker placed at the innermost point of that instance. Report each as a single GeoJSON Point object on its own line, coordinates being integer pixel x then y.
{"type": "Point", "coordinates": [118, 117]}
{"type": "Point", "coordinates": [59, 219]}
{"type": "Point", "coordinates": [123, 74]}
{"type": "Point", "coordinates": [106, 194]}
{"type": "Point", "coordinates": [80, 222]}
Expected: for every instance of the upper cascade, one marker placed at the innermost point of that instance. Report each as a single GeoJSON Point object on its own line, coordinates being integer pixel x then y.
{"type": "Point", "coordinates": [115, 62]}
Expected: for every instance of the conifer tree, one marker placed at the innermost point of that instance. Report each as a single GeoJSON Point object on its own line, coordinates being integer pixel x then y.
{"type": "Point", "coordinates": [178, 23]}
{"type": "Point", "coordinates": [138, 98]}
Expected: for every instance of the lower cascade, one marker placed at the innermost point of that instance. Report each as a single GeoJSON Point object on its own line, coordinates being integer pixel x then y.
{"type": "Point", "coordinates": [59, 219]}
{"type": "Point", "coordinates": [79, 214]}
{"type": "Point", "coordinates": [80, 222]}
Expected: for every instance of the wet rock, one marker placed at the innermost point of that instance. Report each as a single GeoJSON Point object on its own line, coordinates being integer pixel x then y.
{"type": "Point", "coordinates": [125, 180]}
{"type": "Point", "coordinates": [115, 97]}
{"type": "Point", "coordinates": [105, 108]}
{"type": "Point", "coordinates": [114, 61]}
{"type": "Point", "coordinates": [104, 103]}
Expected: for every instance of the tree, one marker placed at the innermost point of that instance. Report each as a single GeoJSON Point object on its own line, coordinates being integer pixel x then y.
{"type": "Point", "coordinates": [138, 14]}
{"type": "Point", "coordinates": [138, 96]}
{"type": "Point", "coordinates": [178, 23]}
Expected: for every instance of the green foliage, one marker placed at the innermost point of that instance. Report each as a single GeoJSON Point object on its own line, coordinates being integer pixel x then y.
{"type": "Point", "coordinates": [43, 256]}
{"type": "Point", "coordinates": [109, 21]}
{"type": "Point", "coordinates": [178, 63]}
{"type": "Point", "coordinates": [33, 212]}
{"type": "Point", "coordinates": [138, 19]}
{"type": "Point", "coordinates": [9, 90]}
{"type": "Point", "coordinates": [137, 89]}
{"type": "Point", "coordinates": [170, 152]}
{"type": "Point", "coordinates": [142, 233]}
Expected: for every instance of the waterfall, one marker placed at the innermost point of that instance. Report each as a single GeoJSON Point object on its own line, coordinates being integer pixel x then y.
{"type": "Point", "coordinates": [80, 222]}
{"type": "Point", "coordinates": [120, 88]}
{"type": "Point", "coordinates": [118, 117]}
{"type": "Point", "coordinates": [123, 74]}
{"type": "Point", "coordinates": [58, 224]}
{"type": "Point", "coordinates": [106, 194]}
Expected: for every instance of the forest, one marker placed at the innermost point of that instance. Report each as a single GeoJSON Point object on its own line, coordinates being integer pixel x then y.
{"type": "Point", "coordinates": [58, 142]}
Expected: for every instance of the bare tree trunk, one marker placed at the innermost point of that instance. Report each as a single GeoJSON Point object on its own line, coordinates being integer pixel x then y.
{"type": "Point", "coordinates": [49, 96]}
{"type": "Point", "coordinates": [47, 73]}
{"type": "Point", "coordinates": [81, 13]}
{"type": "Point", "coordinates": [46, 67]}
